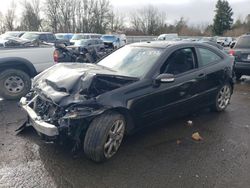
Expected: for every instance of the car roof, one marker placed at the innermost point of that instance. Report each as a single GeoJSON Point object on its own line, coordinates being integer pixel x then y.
{"type": "Point", "coordinates": [86, 34]}
{"type": "Point", "coordinates": [166, 44]}
{"type": "Point", "coordinates": [64, 34]}
{"type": "Point", "coordinates": [159, 44]}
{"type": "Point", "coordinates": [37, 32]}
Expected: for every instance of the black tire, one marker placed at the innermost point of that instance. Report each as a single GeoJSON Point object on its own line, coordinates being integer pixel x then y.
{"type": "Point", "coordinates": [238, 76]}
{"type": "Point", "coordinates": [22, 80]}
{"type": "Point", "coordinates": [101, 133]}
{"type": "Point", "coordinates": [218, 104]}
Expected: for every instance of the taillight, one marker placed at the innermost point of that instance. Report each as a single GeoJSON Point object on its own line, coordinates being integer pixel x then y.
{"type": "Point", "coordinates": [232, 52]}
{"type": "Point", "coordinates": [56, 56]}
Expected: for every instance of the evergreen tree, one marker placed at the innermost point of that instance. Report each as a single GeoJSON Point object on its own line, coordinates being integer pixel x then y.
{"type": "Point", "coordinates": [223, 18]}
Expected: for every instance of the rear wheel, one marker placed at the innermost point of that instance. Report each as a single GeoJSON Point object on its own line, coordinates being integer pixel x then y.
{"type": "Point", "coordinates": [223, 98]}
{"type": "Point", "coordinates": [14, 84]}
{"type": "Point", "coordinates": [104, 136]}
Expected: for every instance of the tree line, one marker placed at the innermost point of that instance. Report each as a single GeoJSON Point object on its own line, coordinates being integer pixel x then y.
{"type": "Point", "coordinates": [98, 16]}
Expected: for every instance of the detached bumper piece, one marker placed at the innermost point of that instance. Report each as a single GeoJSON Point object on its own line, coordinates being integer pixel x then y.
{"type": "Point", "coordinates": [35, 120]}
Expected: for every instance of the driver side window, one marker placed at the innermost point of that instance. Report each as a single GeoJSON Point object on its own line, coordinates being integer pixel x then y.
{"type": "Point", "coordinates": [180, 61]}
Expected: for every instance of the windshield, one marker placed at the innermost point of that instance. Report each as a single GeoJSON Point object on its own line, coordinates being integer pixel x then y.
{"type": "Point", "coordinates": [108, 38]}
{"type": "Point", "coordinates": [81, 42]}
{"type": "Point", "coordinates": [79, 37]}
{"type": "Point", "coordinates": [60, 36]}
{"type": "Point", "coordinates": [132, 61]}
{"type": "Point", "coordinates": [30, 36]}
{"type": "Point", "coordinates": [243, 42]}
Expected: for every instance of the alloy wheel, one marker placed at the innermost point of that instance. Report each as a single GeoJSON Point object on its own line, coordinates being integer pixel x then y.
{"type": "Point", "coordinates": [224, 97]}
{"type": "Point", "coordinates": [114, 138]}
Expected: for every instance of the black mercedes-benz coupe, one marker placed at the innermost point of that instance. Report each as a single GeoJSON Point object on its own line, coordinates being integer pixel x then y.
{"type": "Point", "coordinates": [135, 86]}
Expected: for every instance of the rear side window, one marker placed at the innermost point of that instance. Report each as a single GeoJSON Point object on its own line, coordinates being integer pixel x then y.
{"type": "Point", "coordinates": [207, 57]}
{"type": "Point", "coordinates": [243, 42]}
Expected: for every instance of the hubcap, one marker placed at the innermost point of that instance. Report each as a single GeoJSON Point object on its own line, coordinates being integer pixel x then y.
{"type": "Point", "coordinates": [14, 84]}
{"type": "Point", "coordinates": [114, 138]}
{"type": "Point", "coordinates": [224, 97]}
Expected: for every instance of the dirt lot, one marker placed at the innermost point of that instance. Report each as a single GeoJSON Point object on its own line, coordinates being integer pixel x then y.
{"type": "Point", "coordinates": [150, 158]}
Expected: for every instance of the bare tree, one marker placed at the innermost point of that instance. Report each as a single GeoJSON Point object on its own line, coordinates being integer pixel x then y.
{"type": "Point", "coordinates": [148, 20]}
{"type": "Point", "coordinates": [9, 17]}
{"type": "Point", "coordinates": [51, 13]}
{"type": "Point", "coordinates": [31, 20]}
{"type": "Point", "coordinates": [101, 12]}
{"type": "Point", "coordinates": [116, 22]}
{"type": "Point", "coordinates": [65, 8]}
{"type": "Point", "coordinates": [2, 27]}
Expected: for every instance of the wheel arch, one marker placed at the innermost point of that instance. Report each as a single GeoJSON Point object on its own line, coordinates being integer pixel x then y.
{"type": "Point", "coordinates": [130, 124]}
{"type": "Point", "coordinates": [18, 63]}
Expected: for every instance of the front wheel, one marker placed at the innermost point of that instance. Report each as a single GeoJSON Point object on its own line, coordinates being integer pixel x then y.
{"type": "Point", "coordinates": [14, 84]}
{"type": "Point", "coordinates": [104, 136]}
{"type": "Point", "coordinates": [223, 98]}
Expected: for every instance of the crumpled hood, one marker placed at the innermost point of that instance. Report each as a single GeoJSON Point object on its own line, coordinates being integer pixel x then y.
{"type": "Point", "coordinates": [77, 81]}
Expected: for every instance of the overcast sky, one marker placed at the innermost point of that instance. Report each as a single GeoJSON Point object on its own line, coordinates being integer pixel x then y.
{"type": "Point", "coordinates": [195, 11]}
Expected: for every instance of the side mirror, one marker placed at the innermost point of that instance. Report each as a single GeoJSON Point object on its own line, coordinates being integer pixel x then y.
{"type": "Point", "coordinates": [164, 78]}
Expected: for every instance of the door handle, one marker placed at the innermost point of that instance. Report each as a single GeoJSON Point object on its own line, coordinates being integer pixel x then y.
{"type": "Point", "coordinates": [201, 75]}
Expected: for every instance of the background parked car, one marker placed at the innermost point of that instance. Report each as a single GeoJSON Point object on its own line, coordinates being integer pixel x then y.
{"type": "Point", "coordinates": [112, 41]}
{"type": "Point", "coordinates": [168, 37]}
{"type": "Point", "coordinates": [224, 41]}
{"type": "Point", "coordinates": [84, 51]}
{"type": "Point", "coordinates": [90, 43]}
{"type": "Point", "coordinates": [44, 37]}
{"type": "Point", "coordinates": [14, 33]}
{"type": "Point", "coordinates": [64, 36]}
{"type": "Point", "coordinates": [11, 38]}
{"type": "Point", "coordinates": [241, 52]}
{"type": "Point", "coordinates": [80, 36]}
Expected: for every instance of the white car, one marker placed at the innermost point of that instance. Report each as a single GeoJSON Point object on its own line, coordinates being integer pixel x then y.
{"type": "Point", "coordinates": [80, 36]}
{"type": "Point", "coordinates": [168, 37]}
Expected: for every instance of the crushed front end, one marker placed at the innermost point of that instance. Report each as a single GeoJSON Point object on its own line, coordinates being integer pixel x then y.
{"type": "Point", "coordinates": [43, 115]}
{"type": "Point", "coordinates": [53, 122]}
{"type": "Point", "coordinates": [60, 106]}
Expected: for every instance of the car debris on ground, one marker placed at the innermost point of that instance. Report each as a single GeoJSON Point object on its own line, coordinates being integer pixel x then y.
{"type": "Point", "coordinates": [196, 136]}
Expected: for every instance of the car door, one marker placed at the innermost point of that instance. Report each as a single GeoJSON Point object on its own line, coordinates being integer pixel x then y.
{"type": "Point", "coordinates": [172, 99]}
{"type": "Point", "coordinates": [209, 62]}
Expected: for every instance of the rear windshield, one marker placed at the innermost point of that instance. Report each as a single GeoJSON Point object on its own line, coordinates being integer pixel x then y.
{"type": "Point", "coordinates": [243, 42]}
{"type": "Point", "coordinates": [109, 38]}
{"type": "Point", "coordinates": [80, 36]}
